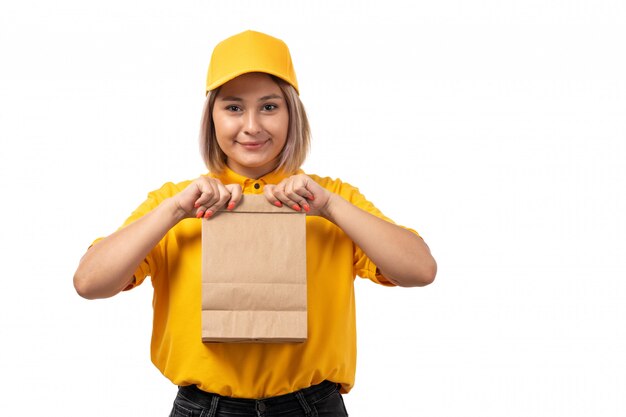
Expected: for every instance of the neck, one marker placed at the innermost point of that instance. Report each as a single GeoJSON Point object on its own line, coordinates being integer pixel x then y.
{"type": "Point", "coordinates": [251, 172]}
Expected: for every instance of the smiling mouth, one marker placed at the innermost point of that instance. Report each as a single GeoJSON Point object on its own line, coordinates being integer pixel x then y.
{"type": "Point", "coordinates": [252, 145]}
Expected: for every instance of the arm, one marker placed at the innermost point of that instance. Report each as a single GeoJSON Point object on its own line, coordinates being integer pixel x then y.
{"type": "Point", "coordinates": [108, 266]}
{"type": "Point", "coordinates": [401, 256]}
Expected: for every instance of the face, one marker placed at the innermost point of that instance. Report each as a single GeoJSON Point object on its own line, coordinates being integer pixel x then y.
{"type": "Point", "coordinates": [251, 123]}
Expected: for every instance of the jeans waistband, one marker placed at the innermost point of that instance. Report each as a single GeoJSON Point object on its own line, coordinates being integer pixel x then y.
{"type": "Point", "coordinates": [295, 399]}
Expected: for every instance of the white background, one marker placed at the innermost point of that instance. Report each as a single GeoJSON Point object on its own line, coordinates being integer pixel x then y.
{"type": "Point", "coordinates": [495, 128]}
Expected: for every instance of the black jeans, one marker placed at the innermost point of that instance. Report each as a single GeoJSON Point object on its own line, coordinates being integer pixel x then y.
{"type": "Point", "coordinates": [323, 400]}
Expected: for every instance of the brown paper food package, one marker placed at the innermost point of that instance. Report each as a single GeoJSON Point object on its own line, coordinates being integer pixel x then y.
{"type": "Point", "coordinates": [254, 274]}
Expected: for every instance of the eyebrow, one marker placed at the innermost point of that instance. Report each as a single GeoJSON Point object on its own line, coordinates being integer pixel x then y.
{"type": "Point", "coordinates": [268, 97]}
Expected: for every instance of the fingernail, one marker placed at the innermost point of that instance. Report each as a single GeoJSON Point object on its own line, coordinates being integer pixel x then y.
{"type": "Point", "coordinates": [278, 204]}
{"type": "Point", "coordinates": [231, 205]}
{"type": "Point", "coordinates": [296, 207]}
{"type": "Point", "coordinates": [199, 214]}
{"type": "Point", "coordinates": [196, 205]}
{"type": "Point", "coordinates": [306, 207]}
{"type": "Point", "coordinates": [208, 214]}
{"type": "Point", "coordinates": [312, 197]}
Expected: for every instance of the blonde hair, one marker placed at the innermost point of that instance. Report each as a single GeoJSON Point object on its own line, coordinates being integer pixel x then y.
{"type": "Point", "coordinates": [296, 147]}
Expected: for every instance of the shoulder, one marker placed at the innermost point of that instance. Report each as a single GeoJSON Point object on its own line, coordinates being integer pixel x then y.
{"type": "Point", "coordinates": [156, 197]}
{"type": "Point", "coordinates": [167, 190]}
{"type": "Point", "coordinates": [349, 192]}
{"type": "Point", "coordinates": [172, 188]}
{"type": "Point", "coordinates": [332, 184]}
{"type": "Point", "coordinates": [336, 186]}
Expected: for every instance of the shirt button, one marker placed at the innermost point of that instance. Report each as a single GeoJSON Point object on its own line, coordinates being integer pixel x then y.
{"type": "Point", "coordinates": [261, 407]}
{"type": "Point", "coordinates": [257, 185]}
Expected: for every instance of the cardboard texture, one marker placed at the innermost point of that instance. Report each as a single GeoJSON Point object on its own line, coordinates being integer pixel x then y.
{"type": "Point", "coordinates": [254, 274]}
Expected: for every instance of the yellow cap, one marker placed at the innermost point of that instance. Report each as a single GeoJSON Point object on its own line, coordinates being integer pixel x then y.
{"type": "Point", "coordinates": [250, 51]}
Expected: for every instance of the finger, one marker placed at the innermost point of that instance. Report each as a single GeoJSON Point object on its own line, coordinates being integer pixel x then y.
{"type": "Point", "coordinates": [269, 191]}
{"type": "Point", "coordinates": [296, 191]}
{"type": "Point", "coordinates": [203, 194]}
{"type": "Point", "coordinates": [209, 193]}
{"type": "Point", "coordinates": [280, 193]}
{"type": "Point", "coordinates": [223, 195]}
{"type": "Point", "coordinates": [302, 186]}
{"type": "Point", "coordinates": [235, 195]}
{"type": "Point", "coordinates": [209, 196]}
{"type": "Point", "coordinates": [202, 199]}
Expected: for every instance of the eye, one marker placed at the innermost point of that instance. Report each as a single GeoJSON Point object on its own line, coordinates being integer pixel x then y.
{"type": "Point", "coordinates": [233, 108]}
{"type": "Point", "coordinates": [269, 107]}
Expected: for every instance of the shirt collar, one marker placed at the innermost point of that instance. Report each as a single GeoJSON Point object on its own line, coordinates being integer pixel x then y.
{"type": "Point", "coordinates": [228, 176]}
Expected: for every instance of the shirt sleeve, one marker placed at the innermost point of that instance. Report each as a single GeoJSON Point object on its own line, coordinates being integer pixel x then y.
{"type": "Point", "coordinates": [153, 260]}
{"type": "Point", "coordinates": [363, 265]}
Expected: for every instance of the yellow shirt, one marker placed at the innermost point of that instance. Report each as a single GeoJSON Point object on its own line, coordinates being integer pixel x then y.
{"type": "Point", "coordinates": [256, 370]}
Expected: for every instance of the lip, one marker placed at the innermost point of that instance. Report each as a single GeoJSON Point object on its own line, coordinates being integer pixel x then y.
{"type": "Point", "coordinates": [252, 145]}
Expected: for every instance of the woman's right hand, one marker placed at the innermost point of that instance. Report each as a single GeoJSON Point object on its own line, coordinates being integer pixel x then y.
{"type": "Point", "coordinates": [108, 266]}
{"type": "Point", "coordinates": [205, 196]}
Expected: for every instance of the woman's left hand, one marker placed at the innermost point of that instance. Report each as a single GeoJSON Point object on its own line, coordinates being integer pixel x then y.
{"type": "Point", "coordinates": [401, 256]}
{"type": "Point", "coordinates": [299, 192]}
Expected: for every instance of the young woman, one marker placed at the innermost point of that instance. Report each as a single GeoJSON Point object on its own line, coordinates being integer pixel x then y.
{"type": "Point", "coordinates": [254, 138]}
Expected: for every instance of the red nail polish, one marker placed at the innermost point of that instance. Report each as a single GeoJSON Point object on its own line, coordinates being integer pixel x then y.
{"type": "Point", "coordinates": [296, 207]}
{"type": "Point", "coordinates": [208, 214]}
{"type": "Point", "coordinates": [278, 204]}
{"type": "Point", "coordinates": [312, 197]}
{"type": "Point", "coordinates": [231, 205]}
{"type": "Point", "coordinates": [306, 207]}
{"type": "Point", "coordinates": [199, 214]}
{"type": "Point", "coordinates": [196, 205]}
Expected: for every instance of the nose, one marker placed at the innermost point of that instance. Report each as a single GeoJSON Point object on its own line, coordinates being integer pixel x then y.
{"type": "Point", "coordinates": [252, 125]}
